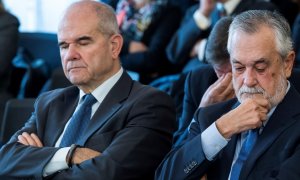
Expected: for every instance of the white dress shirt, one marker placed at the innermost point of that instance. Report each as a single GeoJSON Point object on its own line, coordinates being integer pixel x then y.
{"type": "Point", "coordinates": [203, 22]}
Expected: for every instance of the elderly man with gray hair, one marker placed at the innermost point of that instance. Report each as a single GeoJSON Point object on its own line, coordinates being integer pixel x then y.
{"type": "Point", "coordinates": [256, 135]}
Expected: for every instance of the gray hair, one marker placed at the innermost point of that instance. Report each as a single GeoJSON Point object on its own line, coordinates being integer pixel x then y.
{"type": "Point", "coordinates": [251, 21]}
{"type": "Point", "coordinates": [107, 22]}
{"type": "Point", "coordinates": [107, 19]}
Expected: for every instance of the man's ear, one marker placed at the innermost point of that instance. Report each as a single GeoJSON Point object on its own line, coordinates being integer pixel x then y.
{"type": "Point", "coordinates": [116, 45]}
{"type": "Point", "coordinates": [288, 64]}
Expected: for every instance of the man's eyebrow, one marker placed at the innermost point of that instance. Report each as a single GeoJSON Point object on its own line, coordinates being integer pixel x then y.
{"type": "Point", "coordinates": [259, 61]}
{"type": "Point", "coordinates": [83, 38]}
{"type": "Point", "coordinates": [76, 40]}
{"type": "Point", "coordinates": [235, 61]}
{"type": "Point", "coordinates": [60, 43]}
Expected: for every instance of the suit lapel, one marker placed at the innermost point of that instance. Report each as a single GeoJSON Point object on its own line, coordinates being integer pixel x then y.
{"type": "Point", "coordinates": [60, 112]}
{"type": "Point", "coordinates": [227, 155]}
{"type": "Point", "coordinates": [281, 119]}
{"type": "Point", "coordinates": [229, 151]}
{"type": "Point", "coordinates": [110, 105]}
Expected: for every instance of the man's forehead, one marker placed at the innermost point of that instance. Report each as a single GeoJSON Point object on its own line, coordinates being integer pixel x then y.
{"type": "Point", "coordinates": [77, 26]}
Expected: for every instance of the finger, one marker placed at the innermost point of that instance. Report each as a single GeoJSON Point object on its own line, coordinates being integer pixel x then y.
{"type": "Point", "coordinates": [228, 91]}
{"type": "Point", "coordinates": [36, 139]}
{"type": "Point", "coordinates": [263, 109]}
{"type": "Point", "coordinates": [22, 140]}
{"type": "Point", "coordinates": [262, 101]}
{"type": "Point", "coordinates": [219, 86]}
{"type": "Point", "coordinates": [263, 116]}
{"type": "Point", "coordinates": [29, 139]}
{"type": "Point", "coordinates": [228, 78]}
{"type": "Point", "coordinates": [217, 83]}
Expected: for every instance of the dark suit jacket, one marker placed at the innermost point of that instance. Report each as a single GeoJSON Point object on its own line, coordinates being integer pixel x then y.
{"type": "Point", "coordinates": [189, 33]}
{"type": "Point", "coordinates": [9, 25]}
{"type": "Point", "coordinates": [275, 155]}
{"type": "Point", "coordinates": [132, 129]}
{"type": "Point", "coordinates": [196, 83]}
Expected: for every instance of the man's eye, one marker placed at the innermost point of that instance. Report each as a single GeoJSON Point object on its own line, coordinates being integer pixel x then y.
{"type": "Point", "coordinates": [63, 46]}
{"type": "Point", "coordinates": [260, 69]}
{"type": "Point", "coordinates": [239, 69]}
{"type": "Point", "coordinates": [84, 43]}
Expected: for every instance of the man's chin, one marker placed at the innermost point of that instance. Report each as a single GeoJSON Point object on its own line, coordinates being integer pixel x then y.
{"type": "Point", "coordinates": [77, 81]}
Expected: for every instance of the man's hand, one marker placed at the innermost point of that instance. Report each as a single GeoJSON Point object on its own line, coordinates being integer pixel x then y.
{"type": "Point", "coordinates": [219, 91]}
{"type": "Point", "coordinates": [80, 155]}
{"type": "Point", "coordinates": [249, 115]}
{"type": "Point", "coordinates": [83, 154]}
{"type": "Point", "coordinates": [195, 50]}
{"type": "Point", "coordinates": [30, 139]}
{"type": "Point", "coordinates": [206, 7]}
{"type": "Point", "coordinates": [136, 46]}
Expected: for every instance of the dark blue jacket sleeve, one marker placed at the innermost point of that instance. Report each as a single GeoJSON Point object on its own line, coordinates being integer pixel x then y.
{"type": "Point", "coordinates": [182, 161]}
{"type": "Point", "coordinates": [185, 38]}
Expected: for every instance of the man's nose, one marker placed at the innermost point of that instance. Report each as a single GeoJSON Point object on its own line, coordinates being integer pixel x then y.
{"type": "Point", "coordinates": [250, 78]}
{"type": "Point", "coordinates": [72, 53]}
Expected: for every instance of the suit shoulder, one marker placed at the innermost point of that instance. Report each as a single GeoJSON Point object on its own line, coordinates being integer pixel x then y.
{"type": "Point", "coordinates": [7, 19]}
{"type": "Point", "coordinates": [142, 90]}
{"type": "Point", "coordinates": [49, 96]}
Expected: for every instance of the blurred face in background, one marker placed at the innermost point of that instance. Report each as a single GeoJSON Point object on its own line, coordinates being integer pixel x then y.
{"type": "Point", "coordinates": [222, 69]}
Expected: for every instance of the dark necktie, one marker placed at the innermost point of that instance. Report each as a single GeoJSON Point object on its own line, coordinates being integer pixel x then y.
{"type": "Point", "coordinates": [78, 122]}
{"type": "Point", "coordinates": [244, 152]}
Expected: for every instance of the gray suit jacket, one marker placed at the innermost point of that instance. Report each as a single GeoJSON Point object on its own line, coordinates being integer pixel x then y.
{"type": "Point", "coordinates": [132, 129]}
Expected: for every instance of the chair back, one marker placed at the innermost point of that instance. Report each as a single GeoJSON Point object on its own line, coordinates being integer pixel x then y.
{"type": "Point", "coordinates": [17, 112]}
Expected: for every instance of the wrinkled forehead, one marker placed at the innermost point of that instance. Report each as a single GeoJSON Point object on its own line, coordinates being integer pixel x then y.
{"type": "Point", "coordinates": [78, 18]}
{"type": "Point", "coordinates": [252, 44]}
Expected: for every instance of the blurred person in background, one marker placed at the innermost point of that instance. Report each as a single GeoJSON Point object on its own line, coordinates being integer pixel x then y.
{"type": "Point", "coordinates": [207, 84]}
{"type": "Point", "coordinates": [198, 22]}
{"type": "Point", "coordinates": [296, 35]}
{"type": "Point", "coordinates": [9, 26]}
{"type": "Point", "coordinates": [147, 27]}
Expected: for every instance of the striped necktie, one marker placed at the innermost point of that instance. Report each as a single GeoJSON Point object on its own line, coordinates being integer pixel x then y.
{"type": "Point", "coordinates": [78, 122]}
{"type": "Point", "coordinates": [244, 152]}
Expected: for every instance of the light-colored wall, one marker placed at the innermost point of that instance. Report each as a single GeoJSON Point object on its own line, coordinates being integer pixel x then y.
{"type": "Point", "coordinates": [37, 15]}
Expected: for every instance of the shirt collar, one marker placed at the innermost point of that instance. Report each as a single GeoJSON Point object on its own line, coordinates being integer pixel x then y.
{"type": "Point", "coordinates": [102, 90]}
